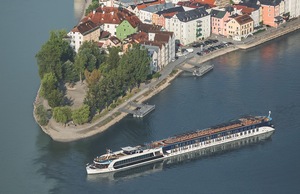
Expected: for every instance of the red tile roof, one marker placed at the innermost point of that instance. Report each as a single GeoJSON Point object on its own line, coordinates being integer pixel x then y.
{"type": "Point", "coordinates": [147, 27]}
{"type": "Point", "coordinates": [141, 36]}
{"type": "Point", "coordinates": [146, 4]}
{"type": "Point", "coordinates": [245, 9]}
{"type": "Point", "coordinates": [114, 40]}
{"type": "Point", "coordinates": [104, 34]}
{"type": "Point", "coordinates": [243, 19]}
{"type": "Point", "coordinates": [209, 2]}
{"type": "Point", "coordinates": [112, 15]}
{"type": "Point", "coordinates": [84, 27]}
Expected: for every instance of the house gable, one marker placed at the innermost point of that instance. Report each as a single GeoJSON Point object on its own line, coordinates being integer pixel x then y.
{"type": "Point", "coordinates": [125, 29]}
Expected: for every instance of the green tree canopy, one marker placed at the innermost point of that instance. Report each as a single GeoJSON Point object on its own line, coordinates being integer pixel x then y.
{"type": "Point", "coordinates": [88, 58]}
{"type": "Point", "coordinates": [132, 69]}
{"type": "Point", "coordinates": [53, 54]}
{"type": "Point", "coordinates": [69, 72]}
{"type": "Point", "coordinates": [134, 66]}
{"type": "Point", "coordinates": [95, 4]}
{"type": "Point", "coordinates": [48, 84]}
{"type": "Point", "coordinates": [62, 114]}
{"type": "Point", "coordinates": [42, 115]}
{"type": "Point", "coordinates": [81, 115]}
{"type": "Point", "coordinates": [55, 98]}
{"type": "Point", "coordinates": [112, 60]}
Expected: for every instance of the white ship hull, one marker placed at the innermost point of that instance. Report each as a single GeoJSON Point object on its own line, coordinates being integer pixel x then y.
{"type": "Point", "coordinates": [266, 130]}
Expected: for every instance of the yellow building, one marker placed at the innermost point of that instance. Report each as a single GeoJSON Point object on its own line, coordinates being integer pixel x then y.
{"type": "Point", "coordinates": [240, 27]}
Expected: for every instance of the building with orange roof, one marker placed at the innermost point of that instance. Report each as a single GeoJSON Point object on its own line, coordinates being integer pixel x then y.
{"type": "Point", "coordinates": [109, 19]}
{"type": "Point", "coordinates": [195, 4]}
{"type": "Point", "coordinates": [160, 45]}
{"type": "Point", "coordinates": [253, 10]}
{"type": "Point", "coordinates": [145, 4]}
{"type": "Point", "coordinates": [211, 3]}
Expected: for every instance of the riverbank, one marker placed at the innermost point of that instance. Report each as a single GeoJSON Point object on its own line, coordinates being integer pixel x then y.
{"type": "Point", "coordinates": [61, 133]}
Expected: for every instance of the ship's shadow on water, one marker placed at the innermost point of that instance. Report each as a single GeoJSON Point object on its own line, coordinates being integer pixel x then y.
{"type": "Point", "coordinates": [183, 159]}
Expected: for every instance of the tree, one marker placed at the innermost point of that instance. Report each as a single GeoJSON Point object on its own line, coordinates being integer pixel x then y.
{"type": "Point", "coordinates": [69, 72]}
{"type": "Point", "coordinates": [93, 77]}
{"type": "Point", "coordinates": [48, 84]}
{"type": "Point", "coordinates": [95, 4]}
{"type": "Point", "coordinates": [88, 57]}
{"type": "Point", "coordinates": [53, 54]}
{"type": "Point", "coordinates": [62, 114]}
{"type": "Point", "coordinates": [81, 115]}
{"type": "Point", "coordinates": [134, 66]}
{"type": "Point", "coordinates": [55, 98]}
{"type": "Point", "coordinates": [112, 61]}
{"type": "Point", "coordinates": [96, 97]}
{"type": "Point", "coordinates": [42, 115]}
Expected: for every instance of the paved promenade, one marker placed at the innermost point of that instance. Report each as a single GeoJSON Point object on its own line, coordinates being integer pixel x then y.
{"type": "Point", "coordinates": [66, 134]}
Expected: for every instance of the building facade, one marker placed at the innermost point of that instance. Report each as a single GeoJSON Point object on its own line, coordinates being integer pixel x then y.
{"type": "Point", "coordinates": [84, 31]}
{"type": "Point", "coordinates": [125, 29]}
{"type": "Point", "coordinates": [240, 27]}
{"type": "Point", "coordinates": [190, 26]}
{"type": "Point", "coordinates": [219, 19]}
{"type": "Point", "coordinates": [292, 7]}
{"type": "Point", "coordinates": [272, 12]}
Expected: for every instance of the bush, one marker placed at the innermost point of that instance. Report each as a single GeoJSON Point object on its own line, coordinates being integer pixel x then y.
{"type": "Point", "coordinates": [156, 75]}
{"type": "Point", "coordinates": [42, 115]}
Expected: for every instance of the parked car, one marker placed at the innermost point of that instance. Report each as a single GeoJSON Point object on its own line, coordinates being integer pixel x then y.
{"type": "Point", "coordinates": [190, 50]}
{"type": "Point", "coordinates": [214, 40]}
{"type": "Point", "coordinates": [199, 53]}
{"type": "Point", "coordinates": [196, 45]}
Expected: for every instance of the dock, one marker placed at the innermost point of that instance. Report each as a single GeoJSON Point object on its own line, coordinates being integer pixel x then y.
{"type": "Point", "coordinates": [140, 110]}
{"type": "Point", "coordinates": [203, 70]}
{"type": "Point", "coordinates": [197, 69]}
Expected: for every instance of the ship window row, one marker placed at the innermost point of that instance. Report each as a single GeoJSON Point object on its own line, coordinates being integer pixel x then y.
{"type": "Point", "coordinates": [129, 160]}
{"type": "Point", "coordinates": [240, 131]}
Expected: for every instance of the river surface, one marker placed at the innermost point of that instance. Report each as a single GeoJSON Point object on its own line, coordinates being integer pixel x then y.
{"type": "Point", "coordinates": [244, 82]}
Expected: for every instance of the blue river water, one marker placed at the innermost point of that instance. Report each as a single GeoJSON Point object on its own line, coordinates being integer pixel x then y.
{"type": "Point", "coordinates": [243, 82]}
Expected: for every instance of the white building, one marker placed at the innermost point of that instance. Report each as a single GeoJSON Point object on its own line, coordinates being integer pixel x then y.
{"type": "Point", "coordinates": [190, 26]}
{"type": "Point", "coordinates": [293, 7]}
{"type": "Point", "coordinates": [145, 15]}
{"type": "Point", "coordinates": [161, 47]}
{"type": "Point", "coordinates": [84, 31]}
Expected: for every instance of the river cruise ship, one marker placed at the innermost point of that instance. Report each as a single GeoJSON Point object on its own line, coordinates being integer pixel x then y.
{"type": "Point", "coordinates": [130, 157]}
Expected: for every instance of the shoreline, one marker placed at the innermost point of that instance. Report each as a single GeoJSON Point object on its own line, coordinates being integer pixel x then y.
{"type": "Point", "coordinates": [60, 133]}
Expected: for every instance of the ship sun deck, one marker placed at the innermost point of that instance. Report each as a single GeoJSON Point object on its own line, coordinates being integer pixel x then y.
{"type": "Point", "coordinates": [245, 121]}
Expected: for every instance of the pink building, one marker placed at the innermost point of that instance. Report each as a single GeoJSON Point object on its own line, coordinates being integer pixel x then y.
{"type": "Point", "coordinates": [219, 21]}
{"type": "Point", "coordinates": [271, 12]}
